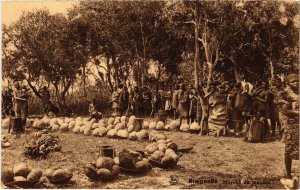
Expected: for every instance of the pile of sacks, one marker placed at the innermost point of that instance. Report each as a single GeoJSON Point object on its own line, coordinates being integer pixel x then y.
{"type": "Point", "coordinates": [20, 172]}
{"type": "Point", "coordinates": [105, 168]}
{"type": "Point", "coordinates": [59, 175]}
{"type": "Point", "coordinates": [173, 126]}
{"type": "Point", "coordinates": [43, 146]}
{"type": "Point", "coordinates": [162, 151]}
{"type": "Point", "coordinates": [133, 160]}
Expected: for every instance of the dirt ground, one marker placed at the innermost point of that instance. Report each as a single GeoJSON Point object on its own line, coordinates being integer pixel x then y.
{"type": "Point", "coordinates": [223, 162]}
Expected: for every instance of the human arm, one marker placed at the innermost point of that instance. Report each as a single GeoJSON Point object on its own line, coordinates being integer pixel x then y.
{"type": "Point", "coordinates": [264, 100]}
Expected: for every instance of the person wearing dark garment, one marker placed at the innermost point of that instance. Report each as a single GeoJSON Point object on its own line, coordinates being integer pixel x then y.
{"type": "Point", "coordinates": [94, 113]}
{"type": "Point", "coordinates": [205, 109]}
{"type": "Point", "coordinates": [156, 103]}
{"type": "Point", "coordinates": [20, 96]}
{"type": "Point", "coordinates": [124, 100]}
{"type": "Point", "coordinates": [193, 105]}
{"type": "Point", "coordinates": [115, 100]}
{"type": "Point", "coordinates": [234, 109]}
{"type": "Point", "coordinates": [290, 109]}
{"type": "Point", "coordinates": [51, 109]}
{"type": "Point", "coordinates": [7, 102]}
{"type": "Point", "coordinates": [184, 104]}
{"type": "Point", "coordinates": [246, 103]}
{"type": "Point", "coordinates": [168, 104]}
{"type": "Point", "coordinates": [218, 116]}
{"type": "Point", "coordinates": [175, 101]}
{"type": "Point", "coordinates": [267, 107]}
{"type": "Point", "coordinates": [137, 102]}
{"type": "Point", "coordinates": [45, 97]}
{"type": "Point", "coordinates": [278, 90]}
{"type": "Point", "coordinates": [147, 98]}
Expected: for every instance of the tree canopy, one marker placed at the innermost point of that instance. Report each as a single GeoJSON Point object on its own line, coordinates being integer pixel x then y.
{"type": "Point", "coordinates": [124, 39]}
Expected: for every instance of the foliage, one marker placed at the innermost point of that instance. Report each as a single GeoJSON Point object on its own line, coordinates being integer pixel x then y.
{"type": "Point", "coordinates": [251, 40]}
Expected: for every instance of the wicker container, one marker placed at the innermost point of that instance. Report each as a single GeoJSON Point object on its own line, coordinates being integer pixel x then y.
{"type": "Point", "coordinates": [161, 115]}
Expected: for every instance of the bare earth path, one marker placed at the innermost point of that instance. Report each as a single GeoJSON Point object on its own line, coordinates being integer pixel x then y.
{"type": "Point", "coordinates": [222, 162]}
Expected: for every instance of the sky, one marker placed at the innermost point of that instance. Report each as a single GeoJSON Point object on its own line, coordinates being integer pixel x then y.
{"type": "Point", "coordinates": [12, 10]}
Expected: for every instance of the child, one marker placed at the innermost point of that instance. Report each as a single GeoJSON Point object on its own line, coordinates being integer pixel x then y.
{"type": "Point", "coordinates": [94, 112]}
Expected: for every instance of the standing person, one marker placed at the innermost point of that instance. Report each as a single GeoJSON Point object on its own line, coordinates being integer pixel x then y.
{"type": "Point", "coordinates": [124, 100]}
{"type": "Point", "coordinates": [278, 90]}
{"type": "Point", "coordinates": [184, 104]}
{"type": "Point", "coordinates": [115, 99]}
{"type": "Point", "coordinates": [235, 109]}
{"type": "Point", "coordinates": [20, 96]}
{"type": "Point", "coordinates": [168, 98]}
{"type": "Point", "coordinates": [291, 110]}
{"type": "Point", "coordinates": [7, 102]}
{"type": "Point", "coordinates": [204, 109]}
{"type": "Point", "coordinates": [45, 97]}
{"type": "Point", "coordinates": [147, 101]}
{"type": "Point", "coordinates": [260, 94]}
{"type": "Point", "coordinates": [175, 101]}
{"type": "Point", "coordinates": [193, 105]}
{"type": "Point", "coordinates": [247, 103]}
{"type": "Point", "coordinates": [217, 120]}
{"type": "Point", "coordinates": [137, 103]}
{"type": "Point", "coordinates": [156, 103]}
{"type": "Point", "coordinates": [267, 108]}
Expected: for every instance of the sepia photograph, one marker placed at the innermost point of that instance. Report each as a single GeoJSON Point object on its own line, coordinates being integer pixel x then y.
{"type": "Point", "coordinates": [155, 94]}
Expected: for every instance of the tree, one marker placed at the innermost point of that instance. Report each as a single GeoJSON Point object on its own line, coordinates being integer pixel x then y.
{"type": "Point", "coordinates": [123, 37]}
{"type": "Point", "coordinates": [41, 49]}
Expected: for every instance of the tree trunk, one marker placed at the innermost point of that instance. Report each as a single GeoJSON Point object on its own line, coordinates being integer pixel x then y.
{"type": "Point", "coordinates": [203, 113]}
{"type": "Point", "coordinates": [116, 76]}
{"type": "Point", "coordinates": [271, 69]}
{"type": "Point", "coordinates": [158, 78]}
{"type": "Point", "coordinates": [34, 90]}
{"type": "Point", "coordinates": [144, 55]}
{"type": "Point", "coordinates": [198, 66]}
{"type": "Point", "coordinates": [83, 76]}
{"type": "Point", "coordinates": [210, 71]}
{"type": "Point", "coordinates": [57, 95]}
{"type": "Point", "coordinates": [197, 51]}
{"type": "Point", "coordinates": [108, 74]}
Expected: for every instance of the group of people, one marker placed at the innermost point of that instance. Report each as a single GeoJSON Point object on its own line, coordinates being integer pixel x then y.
{"type": "Point", "coordinates": [223, 106]}
{"type": "Point", "coordinates": [15, 101]}
{"type": "Point", "coordinates": [227, 107]}
{"type": "Point", "coordinates": [145, 103]}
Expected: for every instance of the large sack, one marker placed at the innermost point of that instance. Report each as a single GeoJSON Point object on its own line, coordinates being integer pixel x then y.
{"type": "Point", "coordinates": [5, 123]}
{"type": "Point", "coordinates": [256, 132]}
{"type": "Point", "coordinates": [35, 175]}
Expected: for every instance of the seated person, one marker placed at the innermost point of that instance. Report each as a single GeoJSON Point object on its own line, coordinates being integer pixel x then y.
{"type": "Point", "coordinates": [94, 114]}
{"type": "Point", "coordinates": [51, 110]}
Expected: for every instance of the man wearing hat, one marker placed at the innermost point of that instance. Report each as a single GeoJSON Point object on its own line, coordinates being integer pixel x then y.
{"type": "Point", "coordinates": [290, 109]}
